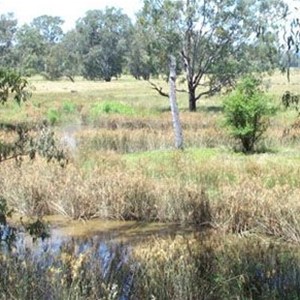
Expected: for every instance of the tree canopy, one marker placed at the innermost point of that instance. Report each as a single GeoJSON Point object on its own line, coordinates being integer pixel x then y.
{"type": "Point", "coordinates": [104, 37]}
{"type": "Point", "coordinates": [214, 40]}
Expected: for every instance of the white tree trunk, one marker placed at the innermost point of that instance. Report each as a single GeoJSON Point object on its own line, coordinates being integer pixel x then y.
{"type": "Point", "coordinates": [173, 103]}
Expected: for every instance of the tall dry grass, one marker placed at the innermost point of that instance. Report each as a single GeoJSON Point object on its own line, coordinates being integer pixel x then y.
{"type": "Point", "coordinates": [123, 165]}
{"type": "Point", "coordinates": [215, 268]}
{"type": "Point", "coordinates": [230, 192]}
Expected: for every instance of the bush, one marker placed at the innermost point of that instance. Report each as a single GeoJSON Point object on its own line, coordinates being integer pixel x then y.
{"type": "Point", "coordinates": [53, 116]}
{"type": "Point", "coordinates": [247, 110]}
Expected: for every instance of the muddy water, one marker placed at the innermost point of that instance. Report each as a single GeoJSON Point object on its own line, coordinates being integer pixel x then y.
{"type": "Point", "coordinates": [83, 233]}
{"type": "Point", "coordinates": [131, 232]}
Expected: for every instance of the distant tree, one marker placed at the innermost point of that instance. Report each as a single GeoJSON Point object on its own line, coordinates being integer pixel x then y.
{"type": "Point", "coordinates": [70, 53]}
{"type": "Point", "coordinates": [8, 28]}
{"type": "Point", "coordinates": [291, 45]}
{"type": "Point", "coordinates": [49, 30]}
{"type": "Point", "coordinates": [141, 61]}
{"type": "Point", "coordinates": [218, 41]}
{"type": "Point", "coordinates": [54, 62]}
{"type": "Point", "coordinates": [104, 39]}
{"type": "Point", "coordinates": [49, 27]}
{"type": "Point", "coordinates": [31, 50]}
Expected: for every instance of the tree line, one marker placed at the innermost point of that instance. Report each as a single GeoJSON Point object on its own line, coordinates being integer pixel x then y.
{"type": "Point", "coordinates": [214, 42]}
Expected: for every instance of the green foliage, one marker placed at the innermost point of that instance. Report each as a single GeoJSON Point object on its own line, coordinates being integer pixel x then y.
{"type": "Point", "coordinates": [61, 114]}
{"type": "Point", "coordinates": [12, 83]}
{"type": "Point", "coordinates": [53, 116]}
{"type": "Point", "coordinates": [247, 110]}
{"type": "Point", "coordinates": [30, 49]}
{"type": "Point", "coordinates": [31, 140]}
{"type": "Point", "coordinates": [49, 28]}
{"type": "Point", "coordinates": [69, 107]}
{"type": "Point", "coordinates": [240, 31]}
{"type": "Point", "coordinates": [8, 28]}
{"type": "Point", "coordinates": [103, 36]}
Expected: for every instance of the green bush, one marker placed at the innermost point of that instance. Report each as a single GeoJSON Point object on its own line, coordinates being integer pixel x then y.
{"type": "Point", "coordinates": [69, 107]}
{"type": "Point", "coordinates": [53, 116]}
{"type": "Point", "coordinates": [247, 110]}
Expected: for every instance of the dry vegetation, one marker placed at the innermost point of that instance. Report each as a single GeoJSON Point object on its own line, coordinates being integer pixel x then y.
{"type": "Point", "coordinates": [123, 166]}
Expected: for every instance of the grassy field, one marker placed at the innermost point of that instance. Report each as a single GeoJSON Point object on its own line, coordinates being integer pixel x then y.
{"type": "Point", "coordinates": [123, 166]}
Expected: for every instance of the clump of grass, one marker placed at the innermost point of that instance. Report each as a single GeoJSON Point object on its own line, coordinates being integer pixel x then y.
{"type": "Point", "coordinates": [124, 141]}
{"type": "Point", "coordinates": [215, 268]}
{"type": "Point", "coordinates": [53, 116]}
{"type": "Point", "coordinates": [69, 107]}
{"type": "Point", "coordinates": [65, 112]}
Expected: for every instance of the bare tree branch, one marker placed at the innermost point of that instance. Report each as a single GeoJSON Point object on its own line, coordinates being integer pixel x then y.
{"type": "Point", "coordinates": [159, 89]}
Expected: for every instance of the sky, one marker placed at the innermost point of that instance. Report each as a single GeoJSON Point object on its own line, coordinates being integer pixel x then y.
{"type": "Point", "coordinates": [70, 11]}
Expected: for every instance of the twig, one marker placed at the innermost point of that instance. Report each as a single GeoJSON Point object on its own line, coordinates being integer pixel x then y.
{"type": "Point", "coordinates": [158, 89]}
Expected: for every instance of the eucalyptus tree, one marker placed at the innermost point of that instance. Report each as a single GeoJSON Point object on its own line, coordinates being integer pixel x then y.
{"type": "Point", "coordinates": [8, 29]}
{"type": "Point", "coordinates": [291, 39]}
{"type": "Point", "coordinates": [70, 54]}
{"type": "Point", "coordinates": [104, 37]}
{"type": "Point", "coordinates": [30, 49]}
{"type": "Point", "coordinates": [139, 61]}
{"type": "Point", "coordinates": [49, 27]}
{"type": "Point", "coordinates": [217, 41]}
{"type": "Point", "coordinates": [49, 30]}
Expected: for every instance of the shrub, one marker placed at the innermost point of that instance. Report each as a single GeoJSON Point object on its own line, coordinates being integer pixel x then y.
{"type": "Point", "coordinates": [247, 110]}
{"type": "Point", "coordinates": [53, 116]}
{"type": "Point", "coordinates": [69, 107]}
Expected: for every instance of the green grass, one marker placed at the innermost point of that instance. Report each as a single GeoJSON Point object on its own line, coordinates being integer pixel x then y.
{"type": "Point", "coordinates": [111, 107]}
